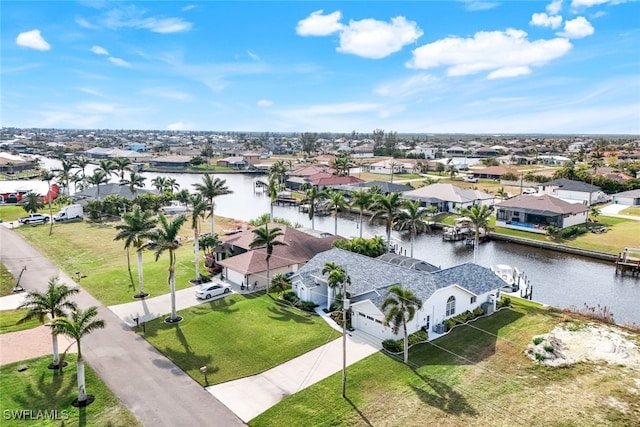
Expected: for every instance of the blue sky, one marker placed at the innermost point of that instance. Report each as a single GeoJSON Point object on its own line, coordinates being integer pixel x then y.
{"type": "Point", "coordinates": [570, 66]}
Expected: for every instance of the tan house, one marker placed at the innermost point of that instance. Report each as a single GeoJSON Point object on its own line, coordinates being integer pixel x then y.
{"type": "Point", "coordinates": [245, 266]}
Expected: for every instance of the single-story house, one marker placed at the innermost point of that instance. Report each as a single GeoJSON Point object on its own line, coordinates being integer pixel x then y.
{"type": "Point", "coordinates": [386, 166]}
{"type": "Point", "coordinates": [448, 197]}
{"type": "Point", "coordinates": [243, 265]}
{"type": "Point", "coordinates": [108, 189]}
{"type": "Point", "coordinates": [535, 212]}
{"type": "Point", "coordinates": [573, 191]}
{"type": "Point", "coordinates": [101, 153]}
{"type": "Point", "coordinates": [494, 172]}
{"type": "Point", "coordinates": [444, 293]}
{"type": "Point", "coordinates": [170, 162]}
{"type": "Point", "coordinates": [234, 162]}
{"type": "Point", "coordinates": [456, 150]}
{"type": "Point", "coordinates": [11, 164]}
{"type": "Point", "coordinates": [631, 198]}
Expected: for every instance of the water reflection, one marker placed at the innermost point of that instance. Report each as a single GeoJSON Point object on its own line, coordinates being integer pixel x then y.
{"type": "Point", "coordinates": [558, 279]}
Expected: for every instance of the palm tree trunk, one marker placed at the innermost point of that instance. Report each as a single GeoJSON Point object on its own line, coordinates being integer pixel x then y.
{"type": "Point", "coordinates": [329, 289]}
{"type": "Point", "coordinates": [212, 220]}
{"type": "Point", "coordinates": [361, 223]}
{"type": "Point", "coordinates": [56, 357]}
{"type": "Point", "coordinates": [475, 246]}
{"type": "Point", "coordinates": [267, 278]}
{"type": "Point", "coordinates": [50, 210]}
{"type": "Point", "coordinates": [82, 391]}
{"type": "Point", "coordinates": [336, 224]}
{"type": "Point", "coordinates": [172, 286]}
{"type": "Point", "coordinates": [413, 236]}
{"type": "Point", "coordinates": [406, 342]}
{"type": "Point", "coordinates": [196, 252]}
{"type": "Point", "coordinates": [271, 214]}
{"type": "Point", "coordinates": [129, 268]}
{"type": "Point", "coordinates": [389, 237]}
{"type": "Point", "coordinates": [140, 279]}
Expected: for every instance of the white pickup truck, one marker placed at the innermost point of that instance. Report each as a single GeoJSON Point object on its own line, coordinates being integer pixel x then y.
{"type": "Point", "coordinates": [34, 218]}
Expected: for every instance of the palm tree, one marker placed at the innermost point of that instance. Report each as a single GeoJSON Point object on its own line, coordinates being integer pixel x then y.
{"type": "Point", "coordinates": [393, 165]}
{"type": "Point", "coordinates": [65, 174]}
{"type": "Point", "coordinates": [267, 238]}
{"type": "Point", "coordinates": [82, 163]}
{"type": "Point", "coordinates": [479, 216]}
{"type": "Point", "coordinates": [386, 207]}
{"type": "Point", "coordinates": [167, 240]}
{"type": "Point", "coordinates": [121, 164]}
{"type": "Point", "coordinates": [452, 171]}
{"type": "Point", "coordinates": [502, 193]}
{"type": "Point", "coordinates": [135, 230]}
{"type": "Point", "coordinates": [48, 176]}
{"type": "Point", "coordinates": [210, 188]}
{"type": "Point", "coordinates": [336, 202]}
{"type": "Point", "coordinates": [159, 183]}
{"type": "Point", "coordinates": [278, 170]}
{"type": "Point", "coordinates": [31, 202]}
{"type": "Point", "coordinates": [412, 218]}
{"type": "Point", "coordinates": [107, 166]}
{"type": "Point", "coordinates": [342, 164]}
{"type": "Point", "coordinates": [53, 302]}
{"type": "Point", "coordinates": [98, 177]}
{"type": "Point", "coordinates": [172, 185]}
{"type": "Point", "coordinates": [199, 207]}
{"type": "Point", "coordinates": [361, 199]}
{"type": "Point", "coordinates": [312, 196]}
{"type": "Point", "coordinates": [280, 283]}
{"type": "Point", "coordinates": [336, 276]}
{"type": "Point", "coordinates": [401, 306]}
{"type": "Point", "coordinates": [80, 324]}
{"type": "Point", "coordinates": [134, 181]}
{"type": "Point", "coordinates": [273, 186]}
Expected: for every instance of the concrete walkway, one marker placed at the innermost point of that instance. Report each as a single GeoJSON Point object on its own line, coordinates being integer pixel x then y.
{"type": "Point", "coordinates": [249, 397]}
{"type": "Point", "coordinates": [146, 382]}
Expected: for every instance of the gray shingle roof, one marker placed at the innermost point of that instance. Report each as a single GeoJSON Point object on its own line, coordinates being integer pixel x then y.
{"type": "Point", "coordinates": [571, 185]}
{"type": "Point", "coordinates": [371, 277]}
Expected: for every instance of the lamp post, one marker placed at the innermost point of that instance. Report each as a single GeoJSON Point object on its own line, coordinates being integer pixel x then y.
{"type": "Point", "coordinates": [204, 372]}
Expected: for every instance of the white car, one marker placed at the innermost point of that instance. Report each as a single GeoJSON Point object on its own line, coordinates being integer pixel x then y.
{"type": "Point", "coordinates": [212, 289]}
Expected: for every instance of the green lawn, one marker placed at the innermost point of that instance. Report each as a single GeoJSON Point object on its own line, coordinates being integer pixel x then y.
{"type": "Point", "coordinates": [39, 389]}
{"type": "Point", "coordinates": [90, 249]}
{"type": "Point", "coordinates": [237, 336]}
{"type": "Point", "coordinates": [631, 211]}
{"type": "Point", "coordinates": [7, 282]}
{"type": "Point", "coordinates": [475, 376]}
{"type": "Point", "coordinates": [9, 321]}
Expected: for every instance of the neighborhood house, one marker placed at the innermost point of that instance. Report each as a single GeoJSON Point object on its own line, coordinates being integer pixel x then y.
{"type": "Point", "coordinates": [444, 293]}
{"type": "Point", "coordinates": [536, 212]}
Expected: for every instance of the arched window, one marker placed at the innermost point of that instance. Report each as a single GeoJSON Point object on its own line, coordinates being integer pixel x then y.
{"type": "Point", "coordinates": [451, 306]}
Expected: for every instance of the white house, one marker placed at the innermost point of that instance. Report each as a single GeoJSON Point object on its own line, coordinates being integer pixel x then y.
{"type": "Point", "coordinates": [448, 197]}
{"type": "Point", "coordinates": [428, 152]}
{"type": "Point", "coordinates": [631, 198]}
{"type": "Point", "coordinates": [444, 293]}
{"type": "Point", "coordinates": [573, 191]}
{"type": "Point", "coordinates": [387, 165]}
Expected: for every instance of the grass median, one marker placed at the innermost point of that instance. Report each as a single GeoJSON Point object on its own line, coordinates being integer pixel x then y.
{"type": "Point", "coordinates": [237, 336]}
{"type": "Point", "coordinates": [9, 321]}
{"type": "Point", "coordinates": [475, 376]}
{"type": "Point", "coordinates": [39, 396]}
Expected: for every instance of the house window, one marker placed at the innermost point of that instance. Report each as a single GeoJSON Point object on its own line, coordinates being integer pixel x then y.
{"type": "Point", "coordinates": [473, 299]}
{"type": "Point", "coordinates": [451, 306]}
{"type": "Point", "coordinates": [427, 322]}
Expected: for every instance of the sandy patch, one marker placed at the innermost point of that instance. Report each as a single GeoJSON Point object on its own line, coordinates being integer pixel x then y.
{"type": "Point", "coordinates": [591, 342]}
{"type": "Point", "coordinates": [35, 342]}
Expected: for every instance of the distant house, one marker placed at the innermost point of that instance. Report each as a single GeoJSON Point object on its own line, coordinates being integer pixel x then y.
{"type": "Point", "coordinates": [630, 198]}
{"type": "Point", "coordinates": [494, 172]}
{"type": "Point", "coordinates": [11, 164]}
{"type": "Point", "coordinates": [573, 191]}
{"type": "Point", "coordinates": [455, 151]}
{"type": "Point", "coordinates": [444, 293]}
{"type": "Point", "coordinates": [137, 146]}
{"type": "Point", "coordinates": [243, 265]}
{"type": "Point", "coordinates": [427, 152]}
{"type": "Point", "coordinates": [172, 162]}
{"type": "Point", "coordinates": [448, 197]}
{"type": "Point", "coordinates": [534, 213]}
{"type": "Point", "coordinates": [100, 153]}
{"type": "Point", "coordinates": [388, 166]}
{"type": "Point", "coordinates": [234, 162]}
{"type": "Point", "coordinates": [91, 193]}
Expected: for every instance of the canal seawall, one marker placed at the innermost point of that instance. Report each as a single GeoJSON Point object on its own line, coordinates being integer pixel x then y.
{"type": "Point", "coordinates": [605, 256]}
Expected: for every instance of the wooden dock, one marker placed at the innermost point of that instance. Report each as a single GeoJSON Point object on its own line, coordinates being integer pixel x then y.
{"type": "Point", "coordinates": [625, 262]}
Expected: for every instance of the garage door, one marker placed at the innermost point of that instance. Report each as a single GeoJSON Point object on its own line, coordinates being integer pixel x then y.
{"type": "Point", "coordinates": [368, 324]}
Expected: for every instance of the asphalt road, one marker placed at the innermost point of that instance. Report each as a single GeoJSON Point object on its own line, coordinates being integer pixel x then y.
{"type": "Point", "coordinates": [148, 384]}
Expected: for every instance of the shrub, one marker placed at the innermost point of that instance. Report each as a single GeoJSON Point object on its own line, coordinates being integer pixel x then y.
{"type": "Point", "coordinates": [549, 348]}
{"type": "Point", "coordinates": [449, 323]}
{"type": "Point", "coordinates": [417, 337]}
{"type": "Point", "coordinates": [538, 340]}
{"type": "Point", "coordinates": [573, 231]}
{"type": "Point", "coordinates": [392, 345]}
{"type": "Point", "coordinates": [307, 306]}
{"type": "Point", "coordinates": [291, 297]}
{"type": "Point", "coordinates": [540, 357]}
{"type": "Point", "coordinates": [478, 311]}
{"type": "Point", "coordinates": [506, 302]}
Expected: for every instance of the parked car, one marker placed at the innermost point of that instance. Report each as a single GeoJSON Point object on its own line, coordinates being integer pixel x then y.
{"type": "Point", "coordinates": [470, 178]}
{"type": "Point", "coordinates": [34, 219]}
{"type": "Point", "coordinates": [529, 191]}
{"type": "Point", "coordinates": [212, 289]}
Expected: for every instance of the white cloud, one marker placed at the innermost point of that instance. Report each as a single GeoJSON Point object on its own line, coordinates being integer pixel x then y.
{"type": "Point", "coordinates": [166, 92]}
{"type": "Point", "coordinates": [544, 20]}
{"type": "Point", "coordinates": [189, 7]}
{"type": "Point", "coordinates": [179, 126]}
{"type": "Point", "coordinates": [253, 56]}
{"type": "Point", "coordinates": [554, 7]}
{"type": "Point", "coordinates": [577, 28]}
{"type": "Point", "coordinates": [165, 26]}
{"type": "Point", "coordinates": [374, 39]}
{"type": "Point", "coordinates": [91, 92]}
{"type": "Point", "coordinates": [506, 72]}
{"type": "Point", "coordinates": [96, 107]}
{"type": "Point", "coordinates": [502, 53]}
{"type": "Point", "coordinates": [85, 24]}
{"type": "Point", "coordinates": [589, 3]}
{"type": "Point", "coordinates": [33, 40]}
{"type": "Point", "coordinates": [318, 24]}
{"type": "Point", "coordinates": [119, 62]}
{"type": "Point", "coordinates": [99, 50]}
{"type": "Point", "coordinates": [265, 103]}
{"type": "Point", "coordinates": [474, 5]}
{"type": "Point", "coordinates": [413, 85]}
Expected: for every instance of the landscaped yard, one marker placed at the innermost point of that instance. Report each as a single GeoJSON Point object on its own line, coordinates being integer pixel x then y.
{"type": "Point", "coordinates": [32, 397]}
{"type": "Point", "coordinates": [237, 336]}
{"type": "Point", "coordinates": [9, 321]}
{"type": "Point", "coordinates": [476, 376]}
{"type": "Point", "coordinates": [90, 248]}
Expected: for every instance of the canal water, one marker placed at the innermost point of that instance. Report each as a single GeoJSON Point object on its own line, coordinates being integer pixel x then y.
{"type": "Point", "coordinates": [558, 279]}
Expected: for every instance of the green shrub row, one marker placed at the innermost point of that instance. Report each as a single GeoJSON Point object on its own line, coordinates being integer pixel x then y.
{"type": "Point", "coordinates": [396, 346]}
{"type": "Point", "coordinates": [463, 317]}
{"type": "Point", "coordinates": [291, 297]}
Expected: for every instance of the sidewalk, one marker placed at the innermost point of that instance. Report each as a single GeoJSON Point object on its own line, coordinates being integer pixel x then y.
{"type": "Point", "coordinates": [249, 397]}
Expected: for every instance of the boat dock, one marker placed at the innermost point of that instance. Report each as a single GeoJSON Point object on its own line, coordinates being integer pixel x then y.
{"type": "Point", "coordinates": [628, 260]}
